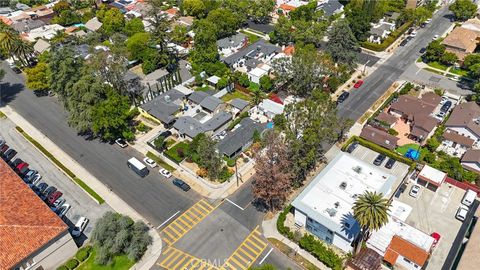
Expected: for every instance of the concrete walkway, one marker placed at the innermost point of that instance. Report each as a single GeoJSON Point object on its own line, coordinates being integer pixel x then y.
{"type": "Point", "coordinates": [110, 198]}
{"type": "Point", "coordinates": [269, 228]}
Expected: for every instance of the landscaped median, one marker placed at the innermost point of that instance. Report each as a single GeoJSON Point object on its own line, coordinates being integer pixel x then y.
{"type": "Point", "coordinates": [67, 171]}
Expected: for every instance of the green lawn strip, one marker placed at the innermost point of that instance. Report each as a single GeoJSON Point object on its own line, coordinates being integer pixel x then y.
{"type": "Point", "coordinates": [458, 71]}
{"type": "Point", "coordinates": [252, 38]}
{"type": "Point", "coordinates": [160, 161]}
{"type": "Point", "coordinates": [437, 65]}
{"type": "Point", "coordinates": [172, 153]}
{"type": "Point", "coordinates": [67, 171]}
{"type": "Point", "coordinates": [292, 254]}
{"type": "Point", "coordinates": [119, 263]}
{"type": "Point", "coordinates": [404, 148]}
{"type": "Point", "coordinates": [2, 115]}
{"type": "Point", "coordinates": [236, 94]}
{"type": "Point", "coordinates": [434, 71]}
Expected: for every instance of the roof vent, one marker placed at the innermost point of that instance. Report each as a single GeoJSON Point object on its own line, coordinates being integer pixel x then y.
{"type": "Point", "coordinates": [357, 169]}
{"type": "Point", "coordinates": [331, 212]}
{"type": "Point", "coordinates": [337, 204]}
{"type": "Point", "coordinates": [343, 185]}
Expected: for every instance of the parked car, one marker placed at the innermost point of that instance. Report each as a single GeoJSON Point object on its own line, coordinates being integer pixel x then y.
{"type": "Point", "coordinates": [47, 192]}
{"type": "Point", "coordinates": [400, 190]}
{"type": "Point", "coordinates": [165, 173]}
{"type": "Point", "coordinates": [446, 106]}
{"type": "Point", "coordinates": [436, 237]}
{"type": "Point", "coordinates": [57, 204]}
{"type": "Point", "coordinates": [413, 34]}
{"type": "Point", "coordinates": [352, 147]}
{"type": "Point", "coordinates": [462, 213]}
{"type": "Point", "coordinates": [414, 191]}
{"type": "Point", "coordinates": [165, 134]}
{"type": "Point", "coordinates": [16, 69]}
{"type": "Point", "coordinates": [423, 50]}
{"type": "Point", "coordinates": [179, 183]}
{"type": "Point", "coordinates": [358, 84]}
{"type": "Point", "coordinates": [441, 115]}
{"type": "Point", "coordinates": [2, 142]}
{"type": "Point", "coordinates": [342, 97]}
{"type": "Point", "coordinates": [40, 188]}
{"type": "Point", "coordinates": [3, 149]}
{"type": "Point", "coordinates": [40, 93]}
{"type": "Point", "coordinates": [435, 37]}
{"type": "Point", "coordinates": [9, 154]}
{"type": "Point", "coordinates": [16, 162]}
{"type": "Point", "coordinates": [62, 210]}
{"type": "Point", "coordinates": [444, 99]}
{"type": "Point", "coordinates": [80, 227]}
{"type": "Point", "coordinates": [36, 179]}
{"type": "Point", "coordinates": [121, 142]}
{"type": "Point", "coordinates": [29, 176]}
{"type": "Point", "coordinates": [428, 21]}
{"type": "Point", "coordinates": [22, 168]}
{"type": "Point", "coordinates": [150, 162]}
{"type": "Point", "coordinates": [53, 197]}
{"type": "Point", "coordinates": [379, 159]}
{"type": "Point", "coordinates": [390, 163]}
{"type": "Point", "coordinates": [404, 42]}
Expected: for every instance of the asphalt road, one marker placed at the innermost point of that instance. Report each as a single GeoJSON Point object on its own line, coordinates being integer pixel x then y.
{"type": "Point", "coordinates": [153, 197]}
{"type": "Point", "coordinates": [377, 83]}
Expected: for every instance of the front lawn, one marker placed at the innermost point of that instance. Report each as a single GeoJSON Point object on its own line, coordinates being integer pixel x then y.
{"type": "Point", "coordinates": [437, 65]}
{"type": "Point", "coordinates": [459, 72]}
{"type": "Point", "coordinates": [434, 71]}
{"type": "Point", "coordinates": [254, 86]}
{"type": "Point", "coordinates": [236, 94]}
{"type": "Point", "coordinates": [404, 148]}
{"type": "Point", "coordinates": [119, 263]}
{"type": "Point", "coordinates": [251, 37]}
{"type": "Point", "coordinates": [178, 152]}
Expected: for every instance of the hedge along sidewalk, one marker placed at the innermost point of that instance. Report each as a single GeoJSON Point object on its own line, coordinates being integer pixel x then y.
{"type": "Point", "coordinates": [111, 198]}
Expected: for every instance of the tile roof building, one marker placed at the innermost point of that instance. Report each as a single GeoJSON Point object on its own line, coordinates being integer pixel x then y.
{"type": "Point", "coordinates": [31, 235]}
{"type": "Point", "coordinates": [465, 120]}
{"type": "Point", "coordinates": [389, 119]}
{"type": "Point", "coordinates": [461, 41]}
{"type": "Point", "coordinates": [379, 137]}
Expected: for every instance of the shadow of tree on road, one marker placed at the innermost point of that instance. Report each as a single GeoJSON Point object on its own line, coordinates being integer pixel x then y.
{"type": "Point", "coordinates": [8, 92]}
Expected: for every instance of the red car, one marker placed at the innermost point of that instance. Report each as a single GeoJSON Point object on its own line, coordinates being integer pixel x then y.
{"type": "Point", "coordinates": [436, 236]}
{"type": "Point", "coordinates": [53, 197]}
{"type": "Point", "coordinates": [358, 84]}
{"type": "Point", "coordinates": [22, 168]}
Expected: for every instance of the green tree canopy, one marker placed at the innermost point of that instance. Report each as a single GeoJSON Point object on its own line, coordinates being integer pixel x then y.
{"type": "Point", "coordinates": [260, 9]}
{"type": "Point", "coordinates": [113, 21]}
{"type": "Point", "coordinates": [342, 44]}
{"type": "Point", "coordinates": [37, 77]}
{"type": "Point", "coordinates": [463, 9]}
{"type": "Point", "coordinates": [195, 8]}
{"type": "Point", "coordinates": [134, 26]}
{"type": "Point", "coordinates": [435, 51]}
{"type": "Point", "coordinates": [266, 83]}
{"type": "Point", "coordinates": [226, 22]}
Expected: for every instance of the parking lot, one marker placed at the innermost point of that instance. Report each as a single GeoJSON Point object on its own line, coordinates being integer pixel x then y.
{"type": "Point", "coordinates": [399, 169]}
{"type": "Point", "coordinates": [435, 212]}
{"type": "Point", "coordinates": [80, 202]}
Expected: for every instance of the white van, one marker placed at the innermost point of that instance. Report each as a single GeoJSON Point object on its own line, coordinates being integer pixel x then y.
{"type": "Point", "coordinates": [469, 197]}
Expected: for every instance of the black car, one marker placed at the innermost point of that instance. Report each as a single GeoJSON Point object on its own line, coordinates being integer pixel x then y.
{"type": "Point", "coordinates": [40, 93]}
{"type": "Point", "coordinates": [16, 69]}
{"type": "Point", "coordinates": [422, 50]}
{"type": "Point", "coordinates": [40, 188]}
{"type": "Point", "coordinates": [400, 190]}
{"type": "Point", "coordinates": [404, 42]}
{"type": "Point", "coordinates": [446, 106]}
{"type": "Point", "coordinates": [179, 183]}
{"type": "Point", "coordinates": [9, 154]}
{"type": "Point", "coordinates": [380, 158]}
{"type": "Point", "coordinates": [16, 162]}
{"type": "Point", "coordinates": [4, 149]}
{"type": "Point", "coordinates": [343, 97]}
{"type": "Point", "coordinates": [352, 147]}
{"type": "Point", "coordinates": [390, 163]}
{"type": "Point", "coordinates": [165, 134]}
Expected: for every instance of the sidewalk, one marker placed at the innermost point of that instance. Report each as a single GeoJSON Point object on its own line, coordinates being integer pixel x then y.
{"type": "Point", "coordinates": [110, 198]}
{"type": "Point", "coordinates": [269, 228]}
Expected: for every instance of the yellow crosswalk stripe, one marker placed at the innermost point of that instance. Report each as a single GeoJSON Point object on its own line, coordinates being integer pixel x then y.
{"type": "Point", "coordinates": [236, 261]}
{"type": "Point", "coordinates": [166, 260]}
{"type": "Point", "coordinates": [247, 249]}
{"type": "Point", "coordinates": [251, 243]}
{"type": "Point", "coordinates": [250, 256]}
{"type": "Point", "coordinates": [179, 262]}
{"type": "Point", "coordinates": [174, 230]}
{"type": "Point", "coordinates": [189, 218]}
{"type": "Point", "coordinates": [195, 264]}
{"type": "Point", "coordinates": [243, 259]}
{"type": "Point", "coordinates": [184, 222]}
{"type": "Point", "coordinates": [203, 207]}
{"type": "Point", "coordinates": [189, 261]}
{"type": "Point", "coordinates": [206, 205]}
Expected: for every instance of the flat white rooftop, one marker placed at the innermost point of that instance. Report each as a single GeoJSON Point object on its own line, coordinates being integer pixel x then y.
{"type": "Point", "coordinates": [331, 195]}
{"type": "Point", "coordinates": [432, 174]}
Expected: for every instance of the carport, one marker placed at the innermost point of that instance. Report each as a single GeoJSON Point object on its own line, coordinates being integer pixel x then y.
{"type": "Point", "coordinates": [431, 178]}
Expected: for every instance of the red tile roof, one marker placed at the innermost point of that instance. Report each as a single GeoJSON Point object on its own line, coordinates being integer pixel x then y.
{"type": "Point", "coordinates": [26, 222]}
{"type": "Point", "coordinates": [287, 7]}
{"type": "Point", "coordinates": [400, 246]}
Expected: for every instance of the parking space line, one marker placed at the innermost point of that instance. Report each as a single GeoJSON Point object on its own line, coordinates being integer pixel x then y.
{"type": "Point", "coordinates": [268, 253]}
{"type": "Point", "coordinates": [159, 226]}
{"type": "Point", "coordinates": [238, 206]}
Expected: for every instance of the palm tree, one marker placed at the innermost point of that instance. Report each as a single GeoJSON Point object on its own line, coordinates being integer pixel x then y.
{"type": "Point", "coordinates": [23, 50]}
{"type": "Point", "coordinates": [371, 212]}
{"type": "Point", "coordinates": [8, 38]}
{"type": "Point", "coordinates": [257, 96]}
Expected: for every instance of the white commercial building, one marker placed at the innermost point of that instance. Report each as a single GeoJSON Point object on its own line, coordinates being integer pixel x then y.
{"type": "Point", "coordinates": [324, 208]}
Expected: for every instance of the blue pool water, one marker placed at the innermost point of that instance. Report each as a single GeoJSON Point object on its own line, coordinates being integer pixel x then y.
{"type": "Point", "coordinates": [269, 125]}
{"type": "Point", "coordinates": [413, 154]}
{"type": "Point", "coordinates": [79, 24]}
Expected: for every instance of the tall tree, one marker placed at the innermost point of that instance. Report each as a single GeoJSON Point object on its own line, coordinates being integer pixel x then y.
{"type": "Point", "coordinates": [359, 22]}
{"type": "Point", "coordinates": [342, 44]}
{"type": "Point", "coordinates": [225, 20]}
{"type": "Point", "coordinates": [371, 212]}
{"type": "Point", "coordinates": [205, 48]}
{"type": "Point", "coordinates": [64, 67]}
{"type": "Point", "coordinates": [37, 77]}
{"type": "Point", "coordinates": [463, 9]}
{"type": "Point", "coordinates": [113, 21]}
{"type": "Point", "coordinates": [195, 8]}
{"type": "Point", "coordinates": [134, 26]}
{"type": "Point", "coordinates": [260, 10]}
{"type": "Point", "coordinates": [273, 177]}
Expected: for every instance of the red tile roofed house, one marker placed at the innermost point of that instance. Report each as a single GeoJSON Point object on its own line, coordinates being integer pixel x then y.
{"type": "Point", "coordinates": [471, 160]}
{"type": "Point", "coordinates": [6, 20]}
{"type": "Point", "coordinates": [379, 137]}
{"type": "Point", "coordinates": [402, 252]}
{"type": "Point", "coordinates": [285, 8]}
{"type": "Point", "coordinates": [465, 120]}
{"type": "Point", "coordinates": [31, 235]}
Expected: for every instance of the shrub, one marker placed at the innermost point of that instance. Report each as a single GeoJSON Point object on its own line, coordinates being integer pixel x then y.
{"type": "Point", "coordinates": [225, 174]}
{"type": "Point", "coordinates": [160, 161]}
{"type": "Point", "coordinates": [388, 41]}
{"type": "Point", "coordinates": [230, 162]}
{"type": "Point", "coordinates": [72, 264]}
{"type": "Point", "coordinates": [406, 89]}
{"type": "Point", "coordinates": [159, 142]}
{"type": "Point", "coordinates": [82, 254]}
{"type": "Point", "coordinates": [382, 150]}
{"type": "Point", "coordinates": [281, 228]}
{"type": "Point", "coordinates": [392, 131]}
{"type": "Point", "coordinates": [321, 252]}
{"type": "Point", "coordinates": [63, 267]}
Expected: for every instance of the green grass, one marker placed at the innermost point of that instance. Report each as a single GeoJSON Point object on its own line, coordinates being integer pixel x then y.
{"type": "Point", "coordinates": [160, 161]}
{"type": "Point", "coordinates": [236, 94]}
{"type": "Point", "coordinates": [404, 148]}
{"type": "Point", "coordinates": [67, 171]}
{"type": "Point", "coordinates": [251, 37]}
{"type": "Point", "coordinates": [253, 86]}
{"type": "Point", "coordinates": [172, 153]}
{"type": "Point", "coordinates": [458, 71]}
{"type": "Point", "coordinates": [204, 88]}
{"type": "Point", "coordinates": [2, 115]}
{"type": "Point", "coordinates": [434, 71]}
{"type": "Point", "coordinates": [437, 65]}
{"type": "Point", "coordinates": [419, 60]}
{"type": "Point", "coordinates": [119, 263]}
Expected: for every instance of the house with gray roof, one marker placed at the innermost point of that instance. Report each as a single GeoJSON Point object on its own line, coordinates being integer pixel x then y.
{"type": "Point", "coordinates": [197, 96]}
{"type": "Point", "coordinates": [189, 127]}
{"type": "Point", "coordinates": [260, 50]}
{"type": "Point", "coordinates": [240, 138]}
{"type": "Point", "coordinates": [331, 7]}
{"type": "Point", "coordinates": [211, 104]}
{"type": "Point", "coordinates": [26, 26]}
{"type": "Point", "coordinates": [238, 106]}
{"type": "Point", "coordinates": [230, 45]}
{"type": "Point", "coordinates": [380, 31]}
{"type": "Point", "coordinates": [41, 46]}
{"type": "Point", "coordinates": [164, 107]}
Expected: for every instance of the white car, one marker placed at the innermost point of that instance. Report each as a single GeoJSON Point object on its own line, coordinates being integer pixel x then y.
{"type": "Point", "coordinates": [165, 173]}
{"type": "Point", "coordinates": [428, 21]}
{"type": "Point", "coordinates": [435, 37]}
{"type": "Point", "coordinates": [413, 34]}
{"type": "Point", "coordinates": [150, 162]}
{"type": "Point", "coordinates": [62, 211]}
{"type": "Point", "coordinates": [414, 191]}
{"type": "Point", "coordinates": [462, 213]}
{"type": "Point", "coordinates": [121, 142]}
{"type": "Point", "coordinates": [80, 227]}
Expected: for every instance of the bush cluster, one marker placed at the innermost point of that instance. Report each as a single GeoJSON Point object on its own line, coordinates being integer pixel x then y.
{"type": "Point", "coordinates": [388, 41]}
{"type": "Point", "coordinates": [72, 264]}
{"type": "Point", "coordinates": [83, 253]}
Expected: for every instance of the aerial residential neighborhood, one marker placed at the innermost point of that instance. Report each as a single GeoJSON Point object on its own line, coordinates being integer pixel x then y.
{"type": "Point", "coordinates": [239, 134]}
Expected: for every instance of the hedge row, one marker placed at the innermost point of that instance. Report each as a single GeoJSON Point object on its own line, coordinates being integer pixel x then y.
{"type": "Point", "coordinates": [379, 149]}
{"type": "Point", "coordinates": [160, 161]}
{"type": "Point", "coordinates": [67, 171]}
{"type": "Point", "coordinates": [81, 255]}
{"type": "Point", "coordinates": [388, 41]}
{"type": "Point", "coordinates": [309, 243]}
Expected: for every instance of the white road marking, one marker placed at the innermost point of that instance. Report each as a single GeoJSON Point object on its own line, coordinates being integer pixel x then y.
{"type": "Point", "coordinates": [241, 208]}
{"type": "Point", "coordinates": [418, 71]}
{"type": "Point", "coordinates": [268, 253]}
{"type": "Point", "coordinates": [159, 226]}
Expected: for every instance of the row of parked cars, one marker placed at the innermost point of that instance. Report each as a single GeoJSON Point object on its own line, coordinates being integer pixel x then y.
{"type": "Point", "coordinates": [49, 194]}
{"type": "Point", "coordinates": [378, 160]}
